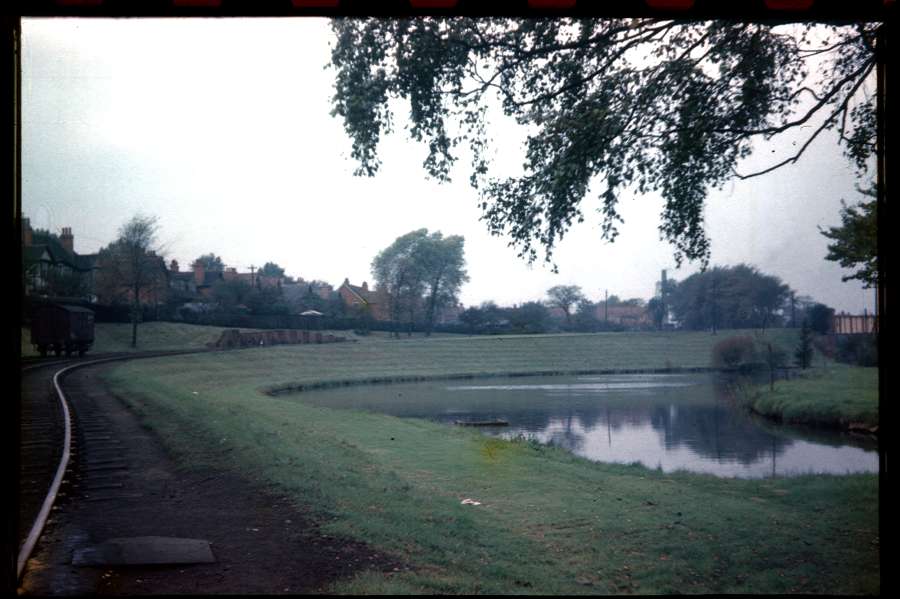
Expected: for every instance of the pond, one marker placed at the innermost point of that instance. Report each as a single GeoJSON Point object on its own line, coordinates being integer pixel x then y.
{"type": "Point", "coordinates": [667, 421]}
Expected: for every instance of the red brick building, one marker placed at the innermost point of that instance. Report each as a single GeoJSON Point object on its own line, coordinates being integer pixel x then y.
{"type": "Point", "coordinates": [628, 316]}
{"type": "Point", "coordinates": [375, 302]}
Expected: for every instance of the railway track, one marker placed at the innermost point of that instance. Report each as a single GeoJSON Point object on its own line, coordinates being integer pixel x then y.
{"type": "Point", "coordinates": [67, 451]}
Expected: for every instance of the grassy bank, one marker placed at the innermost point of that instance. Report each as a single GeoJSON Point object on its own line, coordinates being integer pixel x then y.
{"type": "Point", "coordinates": [838, 396]}
{"type": "Point", "coordinates": [152, 336]}
{"type": "Point", "coordinates": [548, 522]}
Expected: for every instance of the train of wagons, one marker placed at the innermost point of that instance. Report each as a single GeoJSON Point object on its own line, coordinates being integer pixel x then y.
{"type": "Point", "coordinates": [61, 328]}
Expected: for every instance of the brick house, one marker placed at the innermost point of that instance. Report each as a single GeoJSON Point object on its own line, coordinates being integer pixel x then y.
{"type": "Point", "coordinates": [182, 284]}
{"type": "Point", "coordinates": [154, 291]}
{"type": "Point", "coordinates": [627, 316]}
{"type": "Point", "coordinates": [376, 302]}
{"type": "Point", "coordinates": [52, 267]}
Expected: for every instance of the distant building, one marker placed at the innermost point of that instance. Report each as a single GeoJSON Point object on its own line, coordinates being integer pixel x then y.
{"type": "Point", "coordinates": [52, 268]}
{"type": "Point", "coordinates": [182, 284]}
{"type": "Point", "coordinates": [205, 279]}
{"type": "Point", "coordinates": [449, 314]}
{"type": "Point", "coordinates": [623, 315]}
{"type": "Point", "coordinates": [854, 324]}
{"type": "Point", "coordinates": [155, 289]}
{"type": "Point", "coordinates": [362, 298]}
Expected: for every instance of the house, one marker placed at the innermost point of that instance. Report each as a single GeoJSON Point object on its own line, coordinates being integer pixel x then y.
{"type": "Point", "coordinates": [375, 302]}
{"type": "Point", "coordinates": [205, 279]}
{"type": "Point", "coordinates": [297, 294]}
{"type": "Point", "coordinates": [112, 289]}
{"type": "Point", "coordinates": [52, 268]}
{"type": "Point", "coordinates": [182, 284]}
{"type": "Point", "coordinates": [625, 315]}
{"type": "Point", "coordinates": [254, 279]}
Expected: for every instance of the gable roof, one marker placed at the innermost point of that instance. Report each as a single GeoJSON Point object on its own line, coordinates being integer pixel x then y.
{"type": "Point", "coordinates": [364, 295]}
{"type": "Point", "coordinates": [53, 251]}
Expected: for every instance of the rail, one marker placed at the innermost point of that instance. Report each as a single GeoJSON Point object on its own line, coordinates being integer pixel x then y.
{"type": "Point", "coordinates": [40, 521]}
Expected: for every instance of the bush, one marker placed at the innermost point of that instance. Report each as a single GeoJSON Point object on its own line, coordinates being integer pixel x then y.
{"type": "Point", "coordinates": [734, 352]}
{"type": "Point", "coordinates": [859, 350]}
{"type": "Point", "coordinates": [825, 345]}
{"type": "Point", "coordinates": [804, 351]}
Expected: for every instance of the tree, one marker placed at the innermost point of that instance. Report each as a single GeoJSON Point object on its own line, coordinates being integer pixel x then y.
{"type": "Point", "coordinates": [442, 263]}
{"type": "Point", "coordinates": [397, 273]}
{"type": "Point", "coordinates": [270, 269]}
{"type": "Point", "coordinates": [421, 264]}
{"type": "Point", "coordinates": [585, 318]}
{"type": "Point", "coordinates": [530, 317]}
{"type": "Point", "coordinates": [617, 105]}
{"type": "Point", "coordinates": [211, 262]}
{"type": "Point", "coordinates": [565, 297]}
{"type": "Point", "coordinates": [855, 242]}
{"type": "Point", "coordinates": [474, 318]}
{"type": "Point", "coordinates": [804, 351]}
{"type": "Point", "coordinates": [657, 310]}
{"type": "Point", "coordinates": [735, 297]}
{"type": "Point", "coordinates": [819, 318]}
{"type": "Point", "coordinates": [231, 293]}
{"type": "Point", "coordinates": [131, 265]}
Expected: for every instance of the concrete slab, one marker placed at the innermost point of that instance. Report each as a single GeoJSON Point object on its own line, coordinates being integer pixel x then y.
{"type": "Point", "coordinates": [145, 551]}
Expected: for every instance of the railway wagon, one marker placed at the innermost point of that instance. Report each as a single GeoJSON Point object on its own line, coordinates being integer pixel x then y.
{"type": "Point", "coordinates": [61, 328]}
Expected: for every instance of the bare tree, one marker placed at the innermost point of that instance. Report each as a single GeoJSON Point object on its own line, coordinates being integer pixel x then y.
{"type": "Point", "coordinates": [565, 297]}
{"type": "Point", "coordinates": [133, 266]}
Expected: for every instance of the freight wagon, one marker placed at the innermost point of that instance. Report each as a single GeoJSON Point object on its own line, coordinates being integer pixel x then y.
{"type": "Point", "coordinates": [60, 328]}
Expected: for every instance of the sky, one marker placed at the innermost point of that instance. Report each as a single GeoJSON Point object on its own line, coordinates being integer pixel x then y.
{"type": "Point", "coordinates": [221, 128]}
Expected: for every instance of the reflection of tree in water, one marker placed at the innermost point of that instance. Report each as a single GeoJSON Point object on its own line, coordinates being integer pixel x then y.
{"type": "Point", "coordinates": [567, 437]}
{"type": "Point", "coordinates": [716, 432]}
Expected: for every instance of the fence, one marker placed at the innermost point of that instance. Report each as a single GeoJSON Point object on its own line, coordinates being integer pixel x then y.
{"type": "Point", "coordinates": [854, 324]}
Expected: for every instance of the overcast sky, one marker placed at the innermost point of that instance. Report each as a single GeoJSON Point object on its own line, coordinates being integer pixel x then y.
{"type": "Point", "coordinates": [222, 129]}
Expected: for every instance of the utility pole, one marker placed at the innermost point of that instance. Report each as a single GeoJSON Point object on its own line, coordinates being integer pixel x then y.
{"type": "Point", "coordinates": [793, 313]}
{"type": "Point", "coordinates": [252, 279]}
{"type": "Point", "coordinates": [606, 306]}
{"type": "Point", "coordinates": [662, 295]}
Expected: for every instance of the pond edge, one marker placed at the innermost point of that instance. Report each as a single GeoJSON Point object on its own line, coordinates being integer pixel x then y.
{"type": "Point", "coordinates": [290, 388]}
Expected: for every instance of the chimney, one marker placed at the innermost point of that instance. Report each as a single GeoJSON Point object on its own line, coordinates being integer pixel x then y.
{"type": "Point", "coordinates": [199, 272]}
{"type": "Point", "coordinates": [26, 232]}
{"type": "Point", "coordinates": [173, 266]}
{"type": "Point", "coordinates": [365, 286]}
{"type": "Point", "coordinates": [66, 239]}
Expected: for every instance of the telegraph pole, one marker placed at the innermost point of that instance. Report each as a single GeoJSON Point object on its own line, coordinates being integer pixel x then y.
{"type": "Point", "coordinates": [662, 295]}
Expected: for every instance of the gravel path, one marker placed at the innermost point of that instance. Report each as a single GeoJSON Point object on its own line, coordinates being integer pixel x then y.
{"type": "Point", "coordinates": [124, 484]}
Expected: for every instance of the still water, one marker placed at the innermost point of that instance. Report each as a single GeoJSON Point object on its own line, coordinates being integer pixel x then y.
{"type": "Point", "coordinates": [672, 422]}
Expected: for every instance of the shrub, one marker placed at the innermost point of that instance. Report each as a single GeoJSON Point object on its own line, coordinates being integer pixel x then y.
{"type": "Point", "coordinates": [825, 345]}
{"type": "Point", "coordinates": [859, 350]}
{"type": "Point", "coordinates": [734, 352]}
{"type": "Point", "coordinates": [804, 351]}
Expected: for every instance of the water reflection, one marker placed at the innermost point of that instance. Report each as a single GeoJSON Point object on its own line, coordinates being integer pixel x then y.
{"type": "Point", "coordinates": [667, 421]}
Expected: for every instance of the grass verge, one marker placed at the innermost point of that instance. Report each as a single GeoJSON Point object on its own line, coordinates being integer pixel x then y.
{"type": "Point", "coordinates": [837, 396]}
{"type": "Point", "coordinates": [548, 523]}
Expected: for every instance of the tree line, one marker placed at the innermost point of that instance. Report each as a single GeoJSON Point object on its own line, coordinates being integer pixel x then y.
{"type": "Point", "coordinates": [422, 272]}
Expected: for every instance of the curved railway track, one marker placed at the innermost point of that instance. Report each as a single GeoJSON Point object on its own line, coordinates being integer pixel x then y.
{"type": "Point", "coordinates": [53, 433]}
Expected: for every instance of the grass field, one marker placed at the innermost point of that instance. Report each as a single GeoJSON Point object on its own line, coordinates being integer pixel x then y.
{"type": "Point", "coordinates": [548, 522]}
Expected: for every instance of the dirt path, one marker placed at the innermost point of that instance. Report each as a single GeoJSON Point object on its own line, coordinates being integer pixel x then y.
{"type": "Point", "coordinates": [124, 484]}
